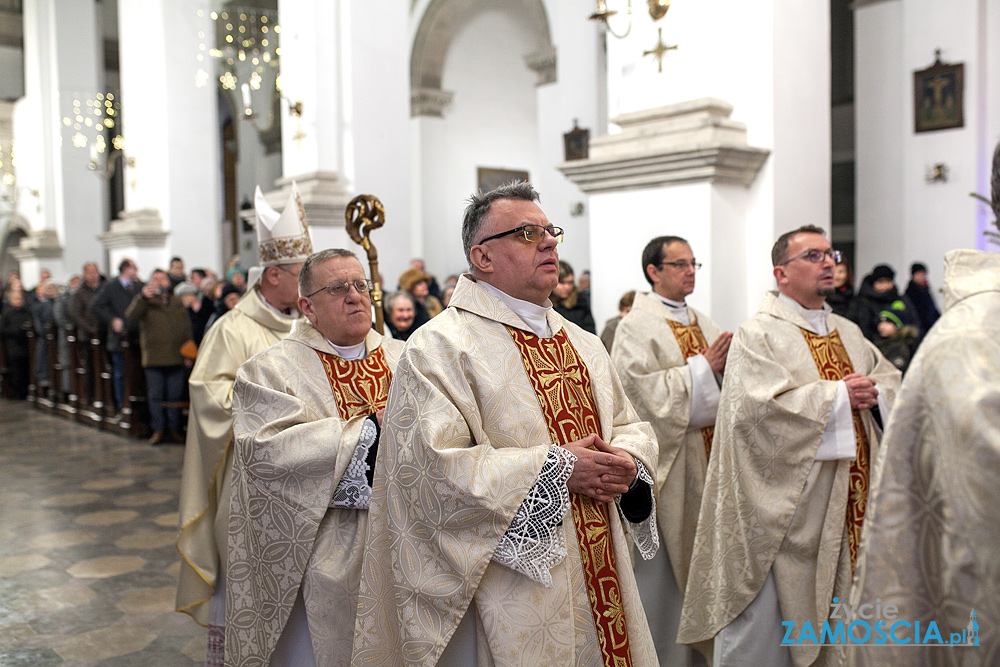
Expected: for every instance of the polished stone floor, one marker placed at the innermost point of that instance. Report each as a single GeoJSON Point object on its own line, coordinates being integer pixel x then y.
{"type": "Point", "coordinates": [88, 565]}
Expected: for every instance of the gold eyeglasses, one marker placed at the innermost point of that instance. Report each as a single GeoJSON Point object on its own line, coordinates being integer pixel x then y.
{"type": "Point", "coordinates": [532, 233]}
{"type": "Point", "coordinates": [816, 256]}
{"type": "Point", "coordinates": [342, 287]}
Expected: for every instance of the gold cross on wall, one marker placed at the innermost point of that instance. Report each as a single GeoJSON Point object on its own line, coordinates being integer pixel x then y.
{"type": "Point", "coordinates": [659, 50]}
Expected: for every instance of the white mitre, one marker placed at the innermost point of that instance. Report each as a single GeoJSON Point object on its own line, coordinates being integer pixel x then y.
{"type": "Point", "coordinates": [282, 238]}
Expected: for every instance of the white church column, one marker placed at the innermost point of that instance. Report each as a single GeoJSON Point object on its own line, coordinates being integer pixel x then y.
{"type": "Point", "coordinates": [172, 193]}
{"type": "Point", "coordinates": [903, 215]}
{"type": "Point", "coordinates": [312, 71]}
{"type": "Point", "coordinates": [60, 198]}
{"type": "Point", "coordinates": [754, 84]}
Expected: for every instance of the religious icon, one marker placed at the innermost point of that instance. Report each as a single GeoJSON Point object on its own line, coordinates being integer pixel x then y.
{"type": "Point", "coordinates": [489, 179]}
{"type": "Point", "coordinates": [576, 143]}
{"type": "Point", "coordinates": [938, 96]}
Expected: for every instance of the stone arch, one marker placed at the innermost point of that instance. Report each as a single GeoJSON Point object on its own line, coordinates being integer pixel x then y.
{"type": "Point", "coordinates": [441, 20]}
{"type": "Point", "coordinates": [15, 228]}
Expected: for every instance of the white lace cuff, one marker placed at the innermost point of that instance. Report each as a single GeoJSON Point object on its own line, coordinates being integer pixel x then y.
{"type": "Point", "coordinates": [534, 542]}
{"type": "Point", "coordinates": [644, 534]}
{"type": "Point", "coordinates": [353, 492]}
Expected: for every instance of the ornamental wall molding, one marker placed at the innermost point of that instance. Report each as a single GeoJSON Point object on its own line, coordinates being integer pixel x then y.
{"type": "Point", "coordinates": [41, 244]}
{"type": "Point", "coordinates": [324, 198]}
{"type": "Point", "coordinates": [141, 228]}
{"type": "Point", "coordinates": [429, 102]}
{"type": "Point", "coordinates": [687, 142]}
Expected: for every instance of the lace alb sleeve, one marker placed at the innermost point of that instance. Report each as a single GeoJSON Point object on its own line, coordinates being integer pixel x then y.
{"type": "Point", "coordinates": [354, 492]}
{"type": "Point", "coordinates": [534, 542]}
{"type": "Point", "coordinates": [644, 533]}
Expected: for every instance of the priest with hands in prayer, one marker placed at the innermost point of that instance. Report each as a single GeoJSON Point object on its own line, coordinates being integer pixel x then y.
{"type": "Point", "coordinates": [307, 417]}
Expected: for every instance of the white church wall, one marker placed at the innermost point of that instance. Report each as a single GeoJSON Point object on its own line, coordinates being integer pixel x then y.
{"type": "Point", "coordinates": [379, 125]}
{"type": "Point", "coordinates": [492, 122]}
{"type": "Point", "coordinates": [770, 60]}
{"type": "Point", "coordinates": [901, 217]}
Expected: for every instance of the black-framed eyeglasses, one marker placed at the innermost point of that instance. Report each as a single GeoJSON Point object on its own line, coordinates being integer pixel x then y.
{"type": "Point", "coordinates": [532, 233]}
{"type": "Point", "coordinates": [816, 256]}
{"type": "Point", "coordinates": [683, 265]}
{"type": "Point", "coordinates": [342, 287]}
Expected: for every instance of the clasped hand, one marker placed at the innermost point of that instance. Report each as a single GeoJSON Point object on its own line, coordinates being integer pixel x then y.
{"type": "Point", "coordinates": [602, 472]}
{"type": "Point", "coordinates": [861, 391]}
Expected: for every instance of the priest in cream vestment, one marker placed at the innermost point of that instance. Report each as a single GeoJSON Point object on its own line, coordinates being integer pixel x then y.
{"type": "Point", "coordinates": [306, 417]}
{"type": "Point", "coordinates": [931, 545]}
{"type": "Point", "coordinates": [787, 483]}
{"type": "Point", "coordinates": [671, 374]}
{"type": "Point", "coordinates": [262, 317]}
{"type": "Point", "coordinates": [511, 468]}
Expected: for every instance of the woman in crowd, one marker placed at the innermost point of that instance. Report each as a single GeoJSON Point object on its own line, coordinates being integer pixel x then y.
{"type": "Point", "coordinates": [568, 301]}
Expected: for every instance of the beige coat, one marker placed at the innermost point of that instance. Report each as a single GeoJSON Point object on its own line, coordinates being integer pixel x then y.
{"type": "Point", "coordinates": [768, 504]}
{"type": "Point", "coordinates": [291, 448]}
{"type": "Point", "coordinates": [464, 441]}
{"type": "Point", "coordinates": [247, 329]}
{"type": "Point", "coordinates": [930, 545]}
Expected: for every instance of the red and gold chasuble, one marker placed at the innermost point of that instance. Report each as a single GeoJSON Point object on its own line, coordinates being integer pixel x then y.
{"type": "Point", "coordinates": [562, 383]}
{"type": "Point", "coordinates": [833, 363]}
{"type": "Point", "coordinates": [361, 387]}
{"type": "Point", "coordinates": [691, 340]}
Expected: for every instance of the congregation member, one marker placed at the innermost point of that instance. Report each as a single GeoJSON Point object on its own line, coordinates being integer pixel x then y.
{"type": "Point", "coordinates": [262, 318]}
{"type": "Point", "coordinates": [163, 328]}
{"type": "Point", "coordinates": [787, 483]}
{"type": "Point", "coordinates": [401, 315]}
{"type": "Point", "coordinates": [672, 375]}
{"type": "Point", "coordinates": [109, 305]}
{"type": "Point", "coordinates": [176, 271]}
{"type": "Point", "coordinates": [918, 291]}
{"type": "Point", "coordinates": [417, 283]}
{"type": "Point", "coordinates": [611, 325]}
{"type": "Point", "coordinates": [569, 302]}
{"type": "Point", "coordinates": [306, 419]}
{"type": "Point", "coordinates": [879, 301]}
{"type": "Point", "coordinates": [841, 300]}
{"type": "Point", "coordinates": [930, 544]}
{"type": "Point", "coordinates": [510, 469]}
{"type": "Point", "coordinates": [15, 322]}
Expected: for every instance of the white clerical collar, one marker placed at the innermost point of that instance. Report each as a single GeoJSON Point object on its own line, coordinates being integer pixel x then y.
{"type": "Point", "coordinates": [530, 313]}
{"type": "Point", "coordinates": [678, 308]}
{"type": "Point", "coordinates": [349, 352]}
{"type": "Point", "coordinates": [292, 315]}
{"type": "Point", "coordinates": [815, 317]}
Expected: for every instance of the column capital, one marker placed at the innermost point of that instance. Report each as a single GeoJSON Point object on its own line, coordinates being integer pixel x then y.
{"type": "Point", "coordinates": [39, 244]}
{"type": "Point", "coordinates": [543, 63]}
{"type": "Point", "coordinates": [687, 142]}
{"type": "Point", "coordinates": [142, 228]}
{"type": "Point", "coordinates": [324, 197]}
{"type": "Point", "coordinates": [429, 102]}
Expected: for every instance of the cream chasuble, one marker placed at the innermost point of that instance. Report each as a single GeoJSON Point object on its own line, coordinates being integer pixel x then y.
{"type": "Point", "coordinates": [464, 442]}
{"type": "Point", "coordinates": [247, 329]}
{"type": "Point", "coordinates": [299, 410]}
{"type": "Point", "coordinates": [930, 542]}
{"type": "Point", "coordinates": [768, 504]}
{"type": "Point", "coordinates": [651, 359]}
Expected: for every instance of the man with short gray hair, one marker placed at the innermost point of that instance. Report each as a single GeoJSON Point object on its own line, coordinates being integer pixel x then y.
{"type": "Point", "coordinates": [306, 419]}
{"type": "Point", "coordinates": [511, 468]}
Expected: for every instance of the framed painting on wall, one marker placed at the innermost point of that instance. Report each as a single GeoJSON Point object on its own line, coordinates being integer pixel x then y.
{"type": "Point", "coordinates": [938, 96]}
{"type": "Point", "coordinates": [489, 178]}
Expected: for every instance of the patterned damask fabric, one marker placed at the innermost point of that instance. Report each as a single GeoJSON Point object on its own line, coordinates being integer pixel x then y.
{"type": "Point", "coordinates": [463, 443]}
{"type": "Point", "coordinates": [291, 450]}
{"type": "Point", "coordinates": [534, 542]}
{"type": "Point", "coordinates": [654, 372]}
{"type": "Point", "coordinates": [353, 490]}
{"type": "Point", "coordinates": [247, 329]}
{"type": "Point", "coordinates": [768, 505]}
{"type": "Point", "coordinates": [929, 544]}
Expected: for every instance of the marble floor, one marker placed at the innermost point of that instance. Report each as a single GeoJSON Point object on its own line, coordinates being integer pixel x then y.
{"type": "Point", "coordinates": [88, 565]}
